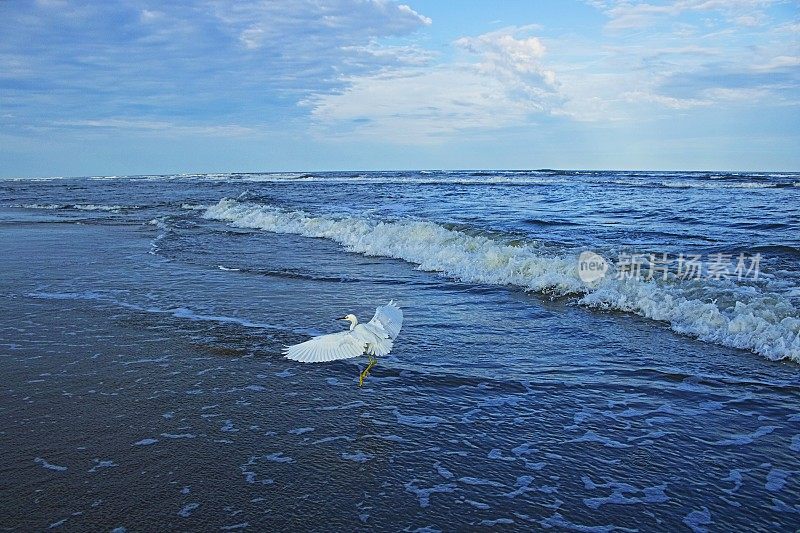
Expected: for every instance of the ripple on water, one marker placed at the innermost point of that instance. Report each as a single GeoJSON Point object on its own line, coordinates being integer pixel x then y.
{"type": "Point", "coordinates": [278, 457]}
{"type": "Point", "coordinates": [49, 466]}
{"type": "Point", "coordinates": [776, 479]}
{"type": "Point", "coordinates": [696, 520]}
{"type": "Point", "coordinates": [100, 463]}
{"type": "Point", "coordinates": [187, 509]}
{"type": "Point", "coordinates": [740, 440]}
{"type": "Point", "coordinates": [734, 476]}
{"type": "Point", "coordinates": [424, 494]}
{"type": "Point", "coordinates": [420, 421]}
{"type": "Point", "coordinates": [558, 521]}
{"type": "Point", "coordinates": [618, 496]}
{"type": "Point", "coordinates": [358, 456]}
{"type": "Point", "coordinates": [178, 435]}
{"type": "Point", "coordinates": [442, 471]}
{"type": "Point", "coordinates": [591, 436]}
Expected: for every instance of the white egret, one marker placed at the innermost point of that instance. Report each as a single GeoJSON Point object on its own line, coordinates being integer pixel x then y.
{"type": "Point", "coordinates": [374, 338]}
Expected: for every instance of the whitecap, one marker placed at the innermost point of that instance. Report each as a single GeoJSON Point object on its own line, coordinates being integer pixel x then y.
{"type": "Point", "coordinates": [718, 312]}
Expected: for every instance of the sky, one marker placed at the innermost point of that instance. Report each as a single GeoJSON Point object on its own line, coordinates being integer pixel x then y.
{"type": "Point", "coordinates": [148, 87]}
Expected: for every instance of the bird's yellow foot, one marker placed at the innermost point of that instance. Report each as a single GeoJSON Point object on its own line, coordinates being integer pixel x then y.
{"type": "Point", "coordinates": [365, 372]}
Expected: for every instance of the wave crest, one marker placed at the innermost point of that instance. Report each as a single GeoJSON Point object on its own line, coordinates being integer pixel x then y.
{"type": "Point", "coordinates": [720, 312]}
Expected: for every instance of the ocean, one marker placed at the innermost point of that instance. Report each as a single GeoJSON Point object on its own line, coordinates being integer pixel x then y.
{"type": "Point", "coordinates": [582, 350]}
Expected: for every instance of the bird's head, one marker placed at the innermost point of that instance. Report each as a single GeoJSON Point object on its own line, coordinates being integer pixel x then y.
{"type": "Point", "coordinates": [350, 318]}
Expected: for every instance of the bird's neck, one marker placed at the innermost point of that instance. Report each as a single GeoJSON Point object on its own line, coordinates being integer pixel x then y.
{"type": "Point", "coordinates": [353, 323]}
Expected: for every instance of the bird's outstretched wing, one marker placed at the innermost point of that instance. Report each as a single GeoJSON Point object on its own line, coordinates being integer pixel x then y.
{"type": "Point", "coordinates": [331, 347]}
{"type": "Point", "coordinates": [388, 317]}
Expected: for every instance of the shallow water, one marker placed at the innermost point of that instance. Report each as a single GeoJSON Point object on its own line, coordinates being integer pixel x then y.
{"type": "Point", "coordinates": [143, 319]}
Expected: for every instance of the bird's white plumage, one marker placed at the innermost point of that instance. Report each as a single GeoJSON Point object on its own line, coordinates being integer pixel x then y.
{"type": "Point", "coordinates": [375, 338]}
{"type": "Point", "coordinates": [390, 318]}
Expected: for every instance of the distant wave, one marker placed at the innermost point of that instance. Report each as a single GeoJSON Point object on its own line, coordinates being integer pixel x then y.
{"type": "Point", "coordinates": [80, 207]}
{"type": "Point", "coordinates": [719, 184]}
{"type": "Point", "coordinates": [517, 179]}
{"type": "Point", "coordinates": [720, 312]}
{"type": "Point", "coordinates": [657, 179]}
{"type": "Point", "coordinates": [37, 178]}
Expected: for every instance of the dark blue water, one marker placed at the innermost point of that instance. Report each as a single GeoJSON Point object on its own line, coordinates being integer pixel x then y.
{"type": "Point", "coordinates": [518, 395]}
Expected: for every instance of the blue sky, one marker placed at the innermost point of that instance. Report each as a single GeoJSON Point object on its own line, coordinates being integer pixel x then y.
{"type": "Point", "coordinates": [138, 86]}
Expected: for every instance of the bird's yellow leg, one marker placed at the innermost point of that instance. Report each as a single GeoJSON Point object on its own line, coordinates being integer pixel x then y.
{"type": "Point", "coordinates": [365, 372]}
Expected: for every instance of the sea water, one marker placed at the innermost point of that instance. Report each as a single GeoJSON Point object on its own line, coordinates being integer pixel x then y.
{"type": "Point", "coordinates": [143, 319]}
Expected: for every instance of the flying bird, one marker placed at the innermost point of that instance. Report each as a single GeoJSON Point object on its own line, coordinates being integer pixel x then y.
{"type": "Point", "coordinates": [375, 338]}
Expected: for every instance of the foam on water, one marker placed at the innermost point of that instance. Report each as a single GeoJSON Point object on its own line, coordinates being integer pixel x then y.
{"type": "Point", "coordinates": [49, 466]}
{"type": "Point", "coordinates": [79, 207]}
{"type": "Point", "coordinates": [751, 317]}
{"type": "Point", "coordinates": [699, 180]}
{"type": "Point", "coordinates": [681, 184]}
{"type": "Point", "coordinates": [177, 312]}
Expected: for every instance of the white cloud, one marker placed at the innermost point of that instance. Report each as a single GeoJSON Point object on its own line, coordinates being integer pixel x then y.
{"type": "Point", "coordinates": [380, 54]}
{"type": "Point", "coordinates": [505, 86]}
{"type": "Point", "coordinates": [666, 101]}
{"type": "Point", "coordinates": [627, 14]}
{"type": "Point", "coordinates": [778, 63]}
{"type": "Point", "coordinates": [302, 25]}
{"type": "Point", "coordinates": [150, 15]}
{"type": "Point", "coordinates": [505, 56]}
{"type": "Point", "coordinates": [701, 62]}
{"type": "Point", "coordinates": [422, 18]}
{"type": "Point", "coordinates": [419, 106]}
{"type": "Point", "coordinates": [224, 60]}
{"type": "Point", "coordinates": [159, 126]}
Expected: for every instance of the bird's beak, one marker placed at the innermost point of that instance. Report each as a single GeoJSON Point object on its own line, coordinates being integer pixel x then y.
{"type": "Point", "coordinates": [342, 318]}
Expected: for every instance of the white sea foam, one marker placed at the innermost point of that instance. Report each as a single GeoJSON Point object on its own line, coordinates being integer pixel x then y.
{"type": "Point", "coordinates": [93, 207]}
{"type": "Point", "coordinates": [38, 206]}
{"type": "Point", "coordinates": [49, 466]}
{"type": "Point", "coordinates": [680, 184]}
{"type": "Point", "coordinates": [35, 178]}
{"type": "Point", "coordinates": [497, 177]}
{"type": "Point", "coordinates": [79, 207]}
{"type": "Point", "coordinates": [751, 318]}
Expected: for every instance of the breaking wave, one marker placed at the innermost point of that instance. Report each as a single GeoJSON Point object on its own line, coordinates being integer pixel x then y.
{"type": "Point", "coordinates": [499, 178]}
{"type": "Point", "coordinates": [685, 184]}
{"type": "Point", "coordinates": [722, 312]}
{"type": "Point", "coordinates": [79, 207]}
